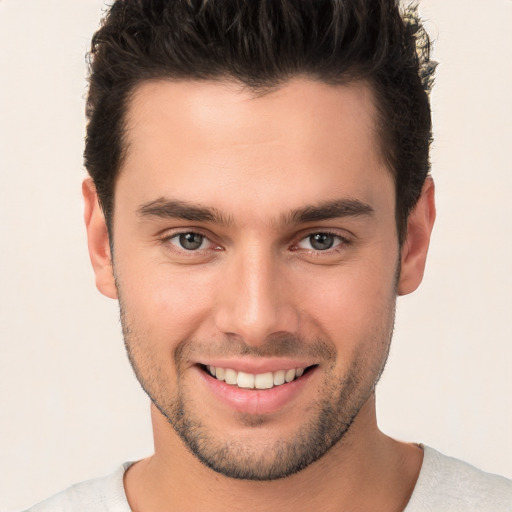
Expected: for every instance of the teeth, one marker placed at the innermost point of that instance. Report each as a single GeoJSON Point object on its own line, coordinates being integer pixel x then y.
{"type": "Point", "coordinates": [245, 380]}
{"type": "Point", "coordinates": [219, 373]}
{"type": "Point", "coordinates": [255, 381]}
{"type": "Point", "coordinates": [230, 376]}
{"type": "Point", "coordinates": [279, 377]}
{"type": "Point", "coordinates": [289, 375]}
{"type": "Point", "coordinates": [264, 381]}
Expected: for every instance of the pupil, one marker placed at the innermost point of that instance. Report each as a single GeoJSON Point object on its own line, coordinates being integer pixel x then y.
{"type": "Point", "coordinates": [322, 241]}
{"type": "Point", "coordinates": [191, 241]}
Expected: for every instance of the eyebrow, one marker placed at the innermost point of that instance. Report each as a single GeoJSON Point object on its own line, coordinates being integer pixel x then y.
{"type": "Point", "coordinates": [335, 209]}
{"type": "Point", "coordinates": [176, 209]}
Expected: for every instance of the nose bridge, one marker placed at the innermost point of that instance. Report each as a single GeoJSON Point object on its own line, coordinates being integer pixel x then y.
{"type": "Point", "coordinates": [255, 301]}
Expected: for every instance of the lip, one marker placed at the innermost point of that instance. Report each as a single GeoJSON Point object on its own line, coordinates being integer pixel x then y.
{"type": "Point", "coordinates": [255, 401]}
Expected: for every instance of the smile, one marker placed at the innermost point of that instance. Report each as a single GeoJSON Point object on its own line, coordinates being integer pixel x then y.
{"type": "Point", "coordinates": [245, 380]}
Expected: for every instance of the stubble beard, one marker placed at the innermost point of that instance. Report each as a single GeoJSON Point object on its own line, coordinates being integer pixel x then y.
{"type": "Point", "coordinates": [254, 458]}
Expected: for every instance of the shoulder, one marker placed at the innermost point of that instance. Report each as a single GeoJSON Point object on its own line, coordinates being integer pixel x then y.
{"type": "Point", "coordinates": [448, 484]}
{"type": "Point", "coordinates": [104, 494]}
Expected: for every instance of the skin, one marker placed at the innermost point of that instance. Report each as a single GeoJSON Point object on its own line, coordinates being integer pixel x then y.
{"type": "Point", "coordinates": [259, 164]}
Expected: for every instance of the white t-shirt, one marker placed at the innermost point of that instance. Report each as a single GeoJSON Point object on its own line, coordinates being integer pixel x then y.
{"type": "Point", "coordinates": [444, 485]}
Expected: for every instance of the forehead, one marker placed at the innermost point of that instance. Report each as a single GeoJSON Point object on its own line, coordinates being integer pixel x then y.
{"type": "Point", "coordinates": [186, 139]}
{"type": "Point", "coordinates": [300, 109]}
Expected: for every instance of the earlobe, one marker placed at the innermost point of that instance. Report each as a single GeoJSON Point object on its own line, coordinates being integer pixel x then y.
{"type": "Point", "coordinates": [415, 247]}
{"type": "Point", "coordinates": [98, 241]}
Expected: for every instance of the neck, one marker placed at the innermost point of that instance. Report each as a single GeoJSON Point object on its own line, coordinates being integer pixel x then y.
{"type": "Point", "coordinates": [366, 470]}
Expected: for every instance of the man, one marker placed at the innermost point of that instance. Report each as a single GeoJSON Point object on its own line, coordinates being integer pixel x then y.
{"type": "Point", "coordinates": [258, 197]}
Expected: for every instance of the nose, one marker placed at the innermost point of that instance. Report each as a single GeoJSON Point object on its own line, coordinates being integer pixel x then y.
{"type": "Point", "coordinates": [255, 298]}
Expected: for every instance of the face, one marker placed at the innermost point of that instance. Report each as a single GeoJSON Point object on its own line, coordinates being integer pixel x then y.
{"type": "Point", "coordinates": [255, 258]}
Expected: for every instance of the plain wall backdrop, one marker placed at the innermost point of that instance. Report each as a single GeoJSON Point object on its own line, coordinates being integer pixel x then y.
{"type": "Point", "coordinates": [70, 408]}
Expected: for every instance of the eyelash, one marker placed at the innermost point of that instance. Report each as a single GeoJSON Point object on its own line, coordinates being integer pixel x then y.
{"type": "Point", "coordinates": [343, 242]}
{"type": "Point", "coordinates": [167, 241]}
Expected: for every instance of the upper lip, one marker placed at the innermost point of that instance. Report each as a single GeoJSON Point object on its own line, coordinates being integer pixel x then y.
{"type": "Point", "coordinates": [257, 366]}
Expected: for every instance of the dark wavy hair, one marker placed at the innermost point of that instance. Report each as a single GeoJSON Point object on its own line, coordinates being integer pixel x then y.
{"type": "Point", "coordinates": [261, 44]}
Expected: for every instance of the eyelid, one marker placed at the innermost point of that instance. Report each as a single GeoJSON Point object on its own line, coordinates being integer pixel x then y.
{"type": "Point", "coordinates": [166, 237]}
{"type": "Point", "coordinates": [345, 239]}
{"type": "Point", "coordinates": [176, 240]}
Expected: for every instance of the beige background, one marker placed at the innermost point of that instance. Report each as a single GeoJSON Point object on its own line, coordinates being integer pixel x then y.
{"type": "Point", "coordinates": [69, 406]}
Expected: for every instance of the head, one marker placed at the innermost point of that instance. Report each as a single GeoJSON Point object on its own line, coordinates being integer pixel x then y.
{"type": "Point", "coordinates": [262, 45]}
{"type": "Point", "coordinates": [256, 167]}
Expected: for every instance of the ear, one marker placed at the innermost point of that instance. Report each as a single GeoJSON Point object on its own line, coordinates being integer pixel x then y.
{"type": "Point", "coordinates": [98, 241]}
{"type": "Point", "coordinates": [415, 247]}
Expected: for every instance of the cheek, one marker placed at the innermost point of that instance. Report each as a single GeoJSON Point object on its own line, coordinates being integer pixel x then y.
{"type": "Point", "coordinates": [353, 304]}
{"type": "Point", "coordinates": [165, 304]}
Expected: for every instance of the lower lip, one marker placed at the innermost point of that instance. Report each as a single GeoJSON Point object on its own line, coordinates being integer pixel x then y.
{"type": "Point", "coordinates": [255, 401]}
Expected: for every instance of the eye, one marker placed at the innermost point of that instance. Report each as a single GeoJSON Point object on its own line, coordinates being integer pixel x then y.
{"type": "Point", "coordinates": [320, 241]}
{"type": "Point", "coordinates": [190, 241]}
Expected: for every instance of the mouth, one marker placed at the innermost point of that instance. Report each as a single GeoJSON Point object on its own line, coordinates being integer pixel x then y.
{"type": "Point", "coordinates": [267, 380]}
